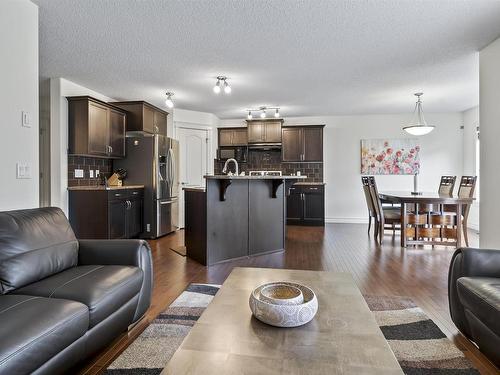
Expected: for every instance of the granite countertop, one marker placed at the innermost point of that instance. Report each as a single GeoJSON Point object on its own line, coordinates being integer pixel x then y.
{"type": "Point", "coordinates": [199, 189]}
{"type": "Point", "coordinates": [305, 183]}
{"type": "Point", "coordinates": [226, 177]}
{"type": "Point", "coordinates": [102, 187]}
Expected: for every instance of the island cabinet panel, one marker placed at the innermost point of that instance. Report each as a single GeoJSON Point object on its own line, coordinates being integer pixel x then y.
{"type": "Point", "coordinates": [144, 117]}
{"type": "Point", "coordinates": [227, 221]}
{"type": "Point", "coordinates": [265, 218]}
{"type": "Point", "coordinates": [195, 230]}
{"type": "Point", "coordinates": [95, 128]}
{"type": "Point", "coordinates": [302, 143]}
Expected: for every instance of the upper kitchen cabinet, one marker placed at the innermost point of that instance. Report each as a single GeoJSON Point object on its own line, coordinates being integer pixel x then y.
{"type": "Point", "coordinates": [95, 128]}
{"type": "Point", "coordinates": [302, 143]}
{"type": "Point", "coordinates": [264, 131]}
{"type": "Point", "coordinates": [144, 117]}
{"type": "Point", "coordinates": [232, 137]}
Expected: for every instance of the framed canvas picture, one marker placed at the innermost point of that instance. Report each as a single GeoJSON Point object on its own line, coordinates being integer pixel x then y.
{"type": "Point", "coordinates": [390, 156]}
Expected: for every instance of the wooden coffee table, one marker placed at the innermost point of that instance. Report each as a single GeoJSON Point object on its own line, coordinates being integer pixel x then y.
{"type": "Point", "coordinates": [343, 338]}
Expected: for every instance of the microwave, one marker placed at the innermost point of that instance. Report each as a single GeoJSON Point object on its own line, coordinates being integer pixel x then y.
{"type": "Point", "coordinates": [238, 153]}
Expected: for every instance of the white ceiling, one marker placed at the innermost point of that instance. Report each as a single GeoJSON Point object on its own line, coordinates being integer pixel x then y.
{"type": "Point", "coordinates": [317, 57]}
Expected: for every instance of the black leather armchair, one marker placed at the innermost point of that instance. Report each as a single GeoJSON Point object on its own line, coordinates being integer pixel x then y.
{"type": "Point", "coordinates": [474, 298]}
{"type": "Point", "coordinates": [62, 299]}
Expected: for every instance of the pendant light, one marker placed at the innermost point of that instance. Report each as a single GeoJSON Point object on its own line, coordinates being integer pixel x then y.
{"type": "Point", "coordinates": [168, 102]}
{"type": "Point", "coordinates": [419, 126]}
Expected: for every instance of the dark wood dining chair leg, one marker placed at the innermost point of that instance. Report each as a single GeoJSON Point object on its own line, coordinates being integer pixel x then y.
{"type": "Point", "coordinates": [375, 229]}
{"type": "Point", "coordinates": [369, 223]}
{"type": "Point", "coordinates": [381, 230]}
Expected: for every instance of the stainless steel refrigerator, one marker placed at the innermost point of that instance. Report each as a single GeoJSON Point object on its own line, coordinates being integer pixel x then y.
{"type": "Point", "coordinates": [153, 161]}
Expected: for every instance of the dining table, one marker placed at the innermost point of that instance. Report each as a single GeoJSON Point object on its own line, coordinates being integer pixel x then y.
{"type": "Point", "coordinates": [425, 199]}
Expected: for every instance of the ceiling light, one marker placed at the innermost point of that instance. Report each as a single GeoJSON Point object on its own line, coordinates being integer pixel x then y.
{"type": "Point", "coordinates": [249, 115]}
{"type": "Point", "coordinates": [168, 102]}
{"type": "Point", "coordinates": [217, 86]}
{"type": "Point", "coordinates": [263, 113]}
{"type": "Point", "coordinates": [419, 125]}
{"type": "Point", "coordinates": [277, 113]}
{"type": "Point", "coordinates": [227, 88]}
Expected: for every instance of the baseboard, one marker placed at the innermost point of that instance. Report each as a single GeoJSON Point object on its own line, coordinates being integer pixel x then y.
{"type": "Point", "coordinates": [346, 220]}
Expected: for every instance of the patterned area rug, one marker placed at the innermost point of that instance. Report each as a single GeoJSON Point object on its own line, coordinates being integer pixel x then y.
{"type": "Point", "coordinates": [419, 345]}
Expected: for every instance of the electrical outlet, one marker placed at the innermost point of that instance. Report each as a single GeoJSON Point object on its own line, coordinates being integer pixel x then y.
{"type": "Point", "coordinates": [91, 173]}
{"type": "Point", "coordinates": [79, 173]}
{"type": "Point", "coordinates": [23, 170]}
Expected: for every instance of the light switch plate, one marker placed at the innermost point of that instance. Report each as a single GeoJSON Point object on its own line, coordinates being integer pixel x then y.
{"type": "Point", "coordinates": [26, 119]}
{"type": "Point", "coordinates": [78, 173]}
{"type": "Point", "coordinates": [23, 170]}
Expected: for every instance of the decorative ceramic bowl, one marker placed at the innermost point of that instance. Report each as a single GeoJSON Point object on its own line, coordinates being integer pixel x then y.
{"type": "Point", "coordinates": [282, 294]}
{"type": "Point", "coordinates": [284, 315]}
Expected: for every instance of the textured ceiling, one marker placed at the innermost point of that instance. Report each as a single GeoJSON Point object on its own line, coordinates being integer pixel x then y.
{"type": "Point", "coordinates": [313, 57]}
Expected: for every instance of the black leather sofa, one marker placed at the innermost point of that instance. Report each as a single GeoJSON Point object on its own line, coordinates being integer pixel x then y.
{"type": "Point", "coordinates": [63, 299]}
{"type": "Point", "coordinates": [474, 297]}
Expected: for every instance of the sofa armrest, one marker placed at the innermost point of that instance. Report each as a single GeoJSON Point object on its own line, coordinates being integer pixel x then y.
{"type": "Point", "coordinates": [122, 253]}
{"type": "Point", "coordinates": [469, 262]}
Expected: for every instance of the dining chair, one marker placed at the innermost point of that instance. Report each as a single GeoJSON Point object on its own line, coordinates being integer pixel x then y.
{"type": "Point", "coordinates": [369, 202]}
{"type": "Point", "coordinates": [383, 215]}
{"type": "Point", "coordinates": [446, 185]}
{"type": "Point", "coordinates": [465, 190]}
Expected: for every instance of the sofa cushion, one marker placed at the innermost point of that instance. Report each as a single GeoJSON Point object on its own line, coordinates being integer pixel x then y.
{"type": "Point", "coordinates": [481, 296]}
{"type": "Point", "coordinates": [104, 289]}
{"type": "Point", "coordinates": [34, 329]}
{"type": "Point", "coordinates": [34, 244]}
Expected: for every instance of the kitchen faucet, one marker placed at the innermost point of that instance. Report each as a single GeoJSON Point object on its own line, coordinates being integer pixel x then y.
{"type": "Point", "coordinates": [224, 170]}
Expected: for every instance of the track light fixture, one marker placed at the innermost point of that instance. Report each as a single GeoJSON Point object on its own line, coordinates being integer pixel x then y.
{"type": "Point", "coordinates": [263, 112]}
{"type": "Point", "coordinates": [168, 102]}
{"type": "Point", "coordinates": [222, 81]}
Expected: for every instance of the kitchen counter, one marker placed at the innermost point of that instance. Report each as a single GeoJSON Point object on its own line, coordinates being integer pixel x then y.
{"type": "Point", "coordinates": [305, 183]}
{"type": "Point", "coordinates": [102, 187]}
{"type": "Point", "coordinates": [226, 177]}
{"type": "Point", "coordinates": [196, 189]}
{"type": "Point", "coordinates": [235, 217]}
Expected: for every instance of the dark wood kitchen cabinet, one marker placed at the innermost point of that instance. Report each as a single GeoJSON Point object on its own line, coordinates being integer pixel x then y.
{"type": "Point", "coordinates": [302, 143]}
{"type": "Point", "coordinates": [106, 214]}
{"type": "Point", "coordinates": [264, 131]}
{"type": "Point", "coordinates": [305, 204]}
{"type": "Point", "coordinates": [95, 128]}
{"type": "Point", "coordinates": [144, 117]}
{"type": "Point", "coordinates": [232, 137]}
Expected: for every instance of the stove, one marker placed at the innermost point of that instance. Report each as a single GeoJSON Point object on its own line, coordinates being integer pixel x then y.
{"type": "Point", "coordinates": [265, 173]}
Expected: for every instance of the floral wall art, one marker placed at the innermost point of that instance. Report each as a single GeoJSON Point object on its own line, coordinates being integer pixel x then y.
{"type": "Point", "coordinates": [390, 156]}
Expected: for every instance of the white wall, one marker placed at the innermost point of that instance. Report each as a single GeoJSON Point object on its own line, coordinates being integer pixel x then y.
{"type": "Point", "coordinates": [489, 108]}
{"type": "Point", "coordinates": [18, 93]}
{"type": "Point", "coordinates": [470, 123]}
{"type": "Point", "coordinates": [60, 88]}
{"type": "Point", "coordinates": [345, 202]}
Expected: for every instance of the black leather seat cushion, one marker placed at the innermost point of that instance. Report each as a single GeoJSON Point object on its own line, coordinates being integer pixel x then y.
{"type": "Point", "coordinates": [104, 289]}
{"type": "Point", "coordinates": [34, 329]}
{"type": "Point", "coordinates": [481, 296]}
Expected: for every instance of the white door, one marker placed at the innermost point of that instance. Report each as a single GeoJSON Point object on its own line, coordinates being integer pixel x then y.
{"type": "Point", "coordinates": [193, 161]}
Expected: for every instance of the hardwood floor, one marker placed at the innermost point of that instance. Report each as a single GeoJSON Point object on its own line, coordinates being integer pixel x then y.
{"type": "Point", "coordinates": [419, 273]}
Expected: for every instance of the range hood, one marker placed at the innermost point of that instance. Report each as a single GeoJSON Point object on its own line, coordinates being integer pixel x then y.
{"type": "Point", "coordinates": [264, 146]}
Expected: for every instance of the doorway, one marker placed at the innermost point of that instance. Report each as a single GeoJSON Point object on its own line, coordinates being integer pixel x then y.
{"type": "Point", "coordinates": [195, 150]}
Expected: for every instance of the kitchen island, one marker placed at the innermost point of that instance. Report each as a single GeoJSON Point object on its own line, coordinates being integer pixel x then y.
{"type": "Point", "coordinates": [235, 217]}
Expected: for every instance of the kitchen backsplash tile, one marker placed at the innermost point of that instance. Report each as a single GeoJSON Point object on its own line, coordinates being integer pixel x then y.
{"type": "Point", "coordinates": [105, 166]}
{"type": "Point", "coordinates": [271, 161]}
